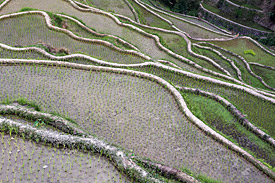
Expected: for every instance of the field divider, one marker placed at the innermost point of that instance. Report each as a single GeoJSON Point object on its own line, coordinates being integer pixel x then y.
{"type": "Point", "coordinates": [183, 34]}
{"type": "Point", "coordinates": [259, 45]}
{"type": "Point", "coordinates": [72, 35]}
{"type": "Point", "coordinates": [178, 32]}
{"type": "Point", "coordinates": [146, 7]}
{"type": "Point", "coordinates": [4, 3]}
{"type": "Point", "coordinates": [168, 171]}
{"type": "Point", "coordinates": [247, 88]}
{"type": "Point", "coordinates": [232, 22]}
{"type": "Point", "coordinates": [245, 63]}
{"type": "Point", "coordinates": [133, 10]}
{"type": "Point", "coordinates": [174, 92]}
{"type": "Point", "coordinates": [66, 57]}
{"type": "Point", "coordinates": [172, 14]}
{"type": "Point", "coordinates": [94, 10]}
{"type": "Point", "coordinates": [215, 64]}
{"type": "Point", "coordinates": [173, 26]}
{"type": "Point", "coordinates": [70, 128]}
{"type": "Point", "coordinates": [190, 51]}
{"type": "Point", "coordinates": [152, 12]}
{"type": "Point", "coordinates": [169, 63]}
{"type": "Point", "coordinates": [55, 121]}
{"type": "Point", "coordinates": [231, 108]}
{"type": "Point", "coordinates": [239, 73]}
{"type": "Point", "coordinates": [199, 39]}
{"type": "Point", "coordinates": [99, 34]}
{"type": "Point", "coordinates": [118, 157]}
{"type": "Point", "coordinates": [181, 58]}
{"type": "Point", "coordinates": [243, 7]}
{"type": "Point", "coordinates": [261, 65]}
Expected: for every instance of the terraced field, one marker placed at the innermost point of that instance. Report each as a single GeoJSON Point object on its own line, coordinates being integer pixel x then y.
{"type": "Point", "coordinates": [120, 91]}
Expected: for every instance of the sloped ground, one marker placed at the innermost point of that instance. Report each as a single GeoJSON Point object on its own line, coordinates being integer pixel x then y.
{"type": "Point", "coordinates": [26, 161]}
{"type": "Point", "coordinates": [143, 114]}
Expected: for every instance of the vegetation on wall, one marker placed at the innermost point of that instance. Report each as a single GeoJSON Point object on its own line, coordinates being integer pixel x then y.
{"type": "Point", "coordinates": [268, 41]}
{"type": "Point", "coordinates": [183, 6]}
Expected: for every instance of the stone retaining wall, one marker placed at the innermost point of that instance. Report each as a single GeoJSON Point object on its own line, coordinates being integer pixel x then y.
{"type": "Point", "coordinates": [228, 24]}
{"type": "Point", "coordinates": [188, 16]}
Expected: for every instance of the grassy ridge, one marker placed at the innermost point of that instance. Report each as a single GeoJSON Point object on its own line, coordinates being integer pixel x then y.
{"type": "Point", "coordinates": [219, 118]}
{"type": "Point", "coordinates": [238, 46]}
{"type": "Point", "coordinates": [268, 75]}
{"type": "Point", "coordinates": [111, 106]}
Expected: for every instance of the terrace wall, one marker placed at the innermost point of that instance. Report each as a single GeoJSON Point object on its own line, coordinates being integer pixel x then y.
{"type": "Point", "coordinates": [223, 22]}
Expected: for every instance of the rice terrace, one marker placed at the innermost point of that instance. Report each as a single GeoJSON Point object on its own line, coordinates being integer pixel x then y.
{"type": "Point", "coordinates": [97, 91]}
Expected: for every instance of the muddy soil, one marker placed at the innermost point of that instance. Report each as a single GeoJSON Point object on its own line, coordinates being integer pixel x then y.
{"type": "Point", "coordinates": [32, 30]}
{"type": "Point", "coordinates": [26, 161]}
{"type": "Point", "coordinates": [134, 113]}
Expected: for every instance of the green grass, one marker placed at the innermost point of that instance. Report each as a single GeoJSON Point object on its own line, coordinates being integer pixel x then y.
{"type": "Point", "coordinates": [200, 177]}
{"type": "Point", "coordinates": [158, 174]}
{"type": "Point", "coordinates": [267, 75]}
{"type": "Point", "coordinates": [32, 104]}
{"type": "Point", "coordinates": [55, 19]}
{"type": "Point", "coordinates": [245, 5]}
{"type": "Point", "coordinates": [147, 2]}
{"type": "Point", "coordinates": [27, 9]}
{"type": "Point", "coordinates": [178, 45]}
{"type": "Point", "coordinates": [81, 21]}
{"type": "Point", "coordinates": [210, 54]}
{"type": "Point", "coordinates": [157, 3]}
{"type": "Point", "coordinates": [246, 76]}
{"type": "Point", "coordinates": [251, 6]}
{"type": "Point", "coordinates": [259, 112]}
{"type": "Point", "coordinates": [22, 101]}
{"type": "Point", "coordinates": [221, 120]}
{"type": "Point", "coordinates": [148, 18]}
{"type": "Point", "coordinates": [76, 29]}
{"type": "Point", "coordinates": [238, 46]}
{"type": "Point", "coordinates": [205, 179]}
{"type": "Point", "coordinates": [211, 8]}
{"type": "Point", "coordinates": [79, 31]}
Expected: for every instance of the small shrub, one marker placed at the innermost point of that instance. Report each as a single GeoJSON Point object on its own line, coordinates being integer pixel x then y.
{"type": "Point", "coordinates": [27, 9]}
{"type": "Point", "coordinates": [24, 101]}
{"type": "Point", "coordinates": [39, 123]}
{"type": "Point", "coordinates": [251, 52]}
{"type": "Point", "coordinates": [220, 3]}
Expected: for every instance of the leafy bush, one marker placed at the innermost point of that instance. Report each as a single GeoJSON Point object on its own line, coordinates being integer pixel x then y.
{"type": "Point", "coordinates": [239, 13]}
{"type": "Point", "coordinates": [220, 3]}
{"type": "Point", "coordinates": [269, 41]}
{"type": "Point", "coordinates": [183, 6]}
{"type": "Point", "coordinates": [249, 52]}
{"type": "Point", "coordinates": [27, 9]}
{"type": "Point", "coordinates": [56, 20]}
{"type": "Point", "coordinates": [39, 123]}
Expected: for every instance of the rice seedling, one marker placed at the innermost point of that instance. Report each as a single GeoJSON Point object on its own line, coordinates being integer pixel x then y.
{"type": "Point", "coordinates": [67, 110]}
{"type": "Point", "coordinates": [33, 167]}
{"type": "Point", "coordinates": [53, 40]}
{"type": "Point", "coordinates": [114, 6]}
{"type": "Point", "coordinates": [120, 123]}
